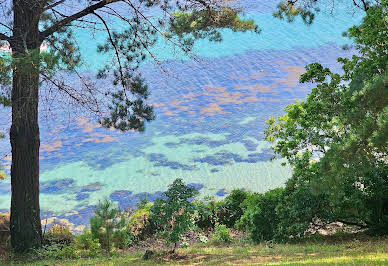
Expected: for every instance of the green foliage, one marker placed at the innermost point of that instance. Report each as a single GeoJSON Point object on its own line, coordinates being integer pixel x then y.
{"type": "Point", "coordinates": [107, 226]}
{"type": "Point", "coordinates": [260, 218]}
{"type": "Point", "coordinates": [230, 209]}
{"type": "Point", "coordinates": [83, 245]}
{"type": "Point", "coordinates": [59, 243]}
{"type": "Point", "coordinates": [89, 246]}
{"type": "Point", "coordinates": [5, 80]}
{"type": "Point", "coordinates": [227, 211]}
{"type": "Point", "coordinates": [172, 214]}
{"type": "Point", "coordinates": [221, 235]}
{"type": "Point", "coordinates": [306, 9]}
{"type": "Point", "coordinates": [337, 139]}
{"type": "Point", "coordinates": [130, 114]}
{"type": "Point", "coordinates": [206, 215]}
{"type": "Point", "coordinates": [303, 202]}
{"type": "Point", "coordinates": [123, 238]}
{"type": "Point", "coordinates": [289, 10]}
{"type": "Point", "coordinates": [57, 251]}
{"type": "Point", "coordinates": [201, 24]}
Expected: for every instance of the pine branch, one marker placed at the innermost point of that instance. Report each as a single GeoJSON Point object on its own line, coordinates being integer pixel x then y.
{"type": "Point", "coordinates": [87, 11]}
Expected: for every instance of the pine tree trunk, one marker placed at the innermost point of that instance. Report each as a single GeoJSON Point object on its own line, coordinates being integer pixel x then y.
{"type": "Point", "coordinates": [25, 226]}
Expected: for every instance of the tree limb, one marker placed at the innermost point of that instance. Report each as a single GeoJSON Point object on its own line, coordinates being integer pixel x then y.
{"type": "Point", "coordinates": [113, 44]}
{"type": "Point", "coordinates": [87, 11]}
{"type": "Point", "coordinates": [4, 37]}
{"type": "Point", "coordinates": [54, 4]}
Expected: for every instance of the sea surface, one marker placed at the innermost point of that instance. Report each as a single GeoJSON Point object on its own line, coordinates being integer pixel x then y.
{"type": "Point", "coordinates": [211, 113]}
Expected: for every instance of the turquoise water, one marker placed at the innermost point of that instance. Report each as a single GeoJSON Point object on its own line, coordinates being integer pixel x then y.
{"type": "Point", "coordinates": [276, 35]}
{"type": "Point", "coordinates": [210, 119]}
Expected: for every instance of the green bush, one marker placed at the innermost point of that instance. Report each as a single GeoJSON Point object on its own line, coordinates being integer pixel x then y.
{"type": "Point", "coordinates": [304, 203]}
{"type": "Point", "coordinates": [260, 218]}
{"type": "Point", "coordinates": [172, 214]}
{"type": "Point", "coordinates": [221, 235]}
{"type": "Point", "coordinates": [57, 251]}
{"type": "Point", "coordinates": [229, 211]}
{"type": "Point", "coordinates": [89, 246]}
{"type": "Point", "coordinates": [83, 245]}
{"type": "Point", "coordinates": [206, 214]}
{"type": "Point", "coordinates": [106, 222]}
{"type": "Point", "coordinates": [123, 238]}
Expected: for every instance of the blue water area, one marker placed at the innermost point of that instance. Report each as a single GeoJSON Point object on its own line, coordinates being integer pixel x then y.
{"type": "Point", "coordinates": [210, 122]}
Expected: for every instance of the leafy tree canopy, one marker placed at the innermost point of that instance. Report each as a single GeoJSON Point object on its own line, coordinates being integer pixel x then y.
{"type": "Point", "coordinates": [172, 213]}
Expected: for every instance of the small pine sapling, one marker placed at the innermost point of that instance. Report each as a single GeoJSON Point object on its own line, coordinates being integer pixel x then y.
{"type": "Point", "coordinates": [106, 221]}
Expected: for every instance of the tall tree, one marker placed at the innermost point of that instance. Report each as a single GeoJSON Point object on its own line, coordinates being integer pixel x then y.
{"type": "Point", "coordinates": [26, 24]}
{"type": "Point", "coordinates": [337, 139]}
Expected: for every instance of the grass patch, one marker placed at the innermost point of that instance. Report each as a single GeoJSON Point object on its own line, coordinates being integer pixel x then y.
{"type": "Point", "coordinates": [355, 250]}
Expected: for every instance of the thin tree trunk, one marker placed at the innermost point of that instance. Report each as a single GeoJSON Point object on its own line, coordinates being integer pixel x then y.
{"type": "Point", "coordinates": [26, 231]}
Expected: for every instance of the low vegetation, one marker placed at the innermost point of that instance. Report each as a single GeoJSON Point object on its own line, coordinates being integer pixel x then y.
{"type": "Point", "coordinates": [342, 249]}
{"type": "Point", "coordinates": [178, 228]}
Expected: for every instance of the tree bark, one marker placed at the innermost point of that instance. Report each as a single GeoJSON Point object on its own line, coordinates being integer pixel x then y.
{"type": "Point", "coordinates": [25, 224]}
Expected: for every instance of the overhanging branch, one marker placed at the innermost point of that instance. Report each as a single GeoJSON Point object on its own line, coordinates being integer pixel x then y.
{"type": "Point", "coordinates": [4, 37]}
{"type": "Point", "coordinates": [87, 11]}
{"type": "Point", "coordinates": [54, 4]}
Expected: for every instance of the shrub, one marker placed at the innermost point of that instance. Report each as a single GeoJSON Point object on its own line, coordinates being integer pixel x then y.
{"type": "Point", "coordinates": [206, 214]}
{"type": "Point", "coordinates": [260, 218]}
{"type": "Point", "coordinates": [172, 214]}
{"type": "Point", "coordinates": [86, 242]}
{"type": "Point", "coordinates": [58, 234]}
{"type": "Point", "coordinates": [123, 238]}
{"type": "Point", "coordinates": [139, 223]}
{"type": "Point", "coordinates": [230, 210]}
{"type": "Point", "coordinates": [57, 251]}
{"type": "Point", "coordinates": [106, 222]}
{"type": "Point", "coordinates": [303, 204]}
{"type": "Point", "coordinates": [221, 235]}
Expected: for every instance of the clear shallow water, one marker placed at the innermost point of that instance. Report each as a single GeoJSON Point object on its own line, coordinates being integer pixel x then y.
{"type": "Point", "coordinates": [209, 126]}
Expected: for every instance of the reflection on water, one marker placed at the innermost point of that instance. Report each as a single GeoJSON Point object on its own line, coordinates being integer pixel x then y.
{"type": "Point", "coordinates": [209, 126]}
